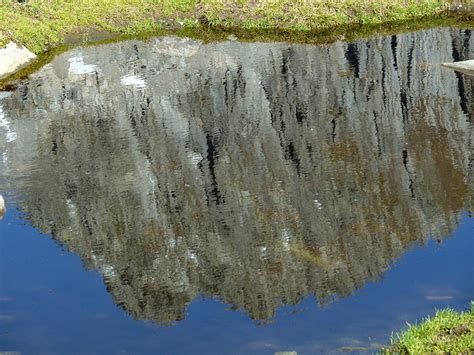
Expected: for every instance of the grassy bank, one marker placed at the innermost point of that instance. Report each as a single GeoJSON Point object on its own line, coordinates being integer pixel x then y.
{"type": "Point", "coordinates": [42, 24]}
{"type": "Point", "coordinates": [449, 332]}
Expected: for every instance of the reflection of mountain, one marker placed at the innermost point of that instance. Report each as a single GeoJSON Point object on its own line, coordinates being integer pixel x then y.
{"type": "Point", "coordinates": [255, 173]}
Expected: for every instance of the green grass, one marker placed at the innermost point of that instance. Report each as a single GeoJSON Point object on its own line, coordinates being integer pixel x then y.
{"type": "Point", "coordinates": [43, 24]}
{"type": "Point", "coordinates": [447, 332]}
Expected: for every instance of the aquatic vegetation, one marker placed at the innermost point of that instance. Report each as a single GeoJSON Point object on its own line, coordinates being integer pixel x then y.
{"type": "Point", "coordinates": [448, 332]}
{"type": "Point", "coordinates": [42, 24]}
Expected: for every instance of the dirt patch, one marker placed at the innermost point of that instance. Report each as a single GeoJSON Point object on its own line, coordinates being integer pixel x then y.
{"type": "Point", "coordinates": [457, 331]}
{"type": "Point", "coordinates": [463, 9]}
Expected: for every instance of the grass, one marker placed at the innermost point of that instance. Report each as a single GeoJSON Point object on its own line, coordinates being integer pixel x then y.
{"type": "Point", "coordinates": [43, 24]}
{"type": "Point", "coordinates": [449, 332]}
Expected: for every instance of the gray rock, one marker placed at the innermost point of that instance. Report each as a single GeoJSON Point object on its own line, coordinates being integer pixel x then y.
{"type": "Point", "coordinates": [14, 57]}
{"type": "Point", "coordinates": [466, 66]}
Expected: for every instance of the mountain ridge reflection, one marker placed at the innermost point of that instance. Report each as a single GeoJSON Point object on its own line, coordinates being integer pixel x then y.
{"type": "Point", "coordinates": [255, 173]}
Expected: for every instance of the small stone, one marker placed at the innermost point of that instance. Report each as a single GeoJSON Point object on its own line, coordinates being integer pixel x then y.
{"type": "Point", "coordinates": [232, 37]}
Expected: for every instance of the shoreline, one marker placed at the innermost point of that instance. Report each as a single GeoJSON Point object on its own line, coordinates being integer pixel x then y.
{"type": "Point", "coordinates": [40, 47]}
{"type": "Point", "coordinates": [41, 25]}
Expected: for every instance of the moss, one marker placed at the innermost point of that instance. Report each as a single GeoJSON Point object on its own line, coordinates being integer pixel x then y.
{"type": "Point", "coordinates": [448, 332]}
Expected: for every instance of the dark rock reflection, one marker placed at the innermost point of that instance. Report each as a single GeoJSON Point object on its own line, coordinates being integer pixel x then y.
{"type": "Point", "coordinates": [255, 173]}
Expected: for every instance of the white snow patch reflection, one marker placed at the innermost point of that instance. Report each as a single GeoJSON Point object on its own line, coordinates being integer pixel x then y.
{"type": "Point", "coordinates": [132, 80]}
{"type": "Point", "coordinates": [318, 204]}
{"type": "Point", "coordinates": [11, 134]}
{"type": "Point", "coordinates": [77, 66]}
{"type": "Point", "coordinates": [194, 157]}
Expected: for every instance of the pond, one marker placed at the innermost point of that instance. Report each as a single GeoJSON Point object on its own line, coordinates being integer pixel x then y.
{"type": "Point", "coordinates": [176, 197]}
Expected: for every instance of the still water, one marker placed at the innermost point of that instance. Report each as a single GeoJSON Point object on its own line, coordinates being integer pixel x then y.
{"type": "Point", "coordinates": [175, 197]}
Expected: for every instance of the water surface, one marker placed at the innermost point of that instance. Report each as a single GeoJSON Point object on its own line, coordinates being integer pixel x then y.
{"type": "Point", "coordinates": [236, 197]}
